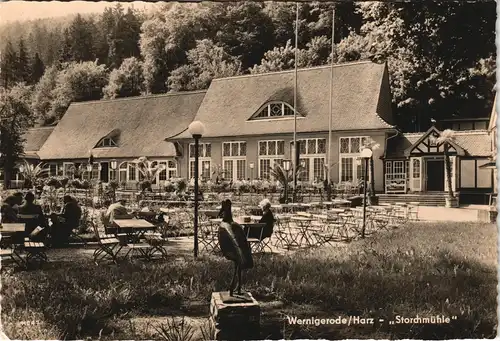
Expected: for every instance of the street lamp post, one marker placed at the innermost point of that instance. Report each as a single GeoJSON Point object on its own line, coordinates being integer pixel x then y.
{"type": "Point", "coordinates": [196, 129]}
{"type": "Point", "coordinates": [252, 166]}
{"type": "Point", "coordinates": [366, 154]}
{"type": "Point", "coordinates": [113, 164]}
{"type": "Point", "coordinates": [286, 167]}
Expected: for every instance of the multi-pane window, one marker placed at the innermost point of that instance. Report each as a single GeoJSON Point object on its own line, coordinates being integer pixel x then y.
{"type": "Point", "coordinates": [106, 142]}
{"type": "Point", "coordinates": [234, 160]}
{"type": "Point", "coordinates": [312, 159]}
{"type": "Point", "coordinates": [122, 172]}
{"type": "Point", "coordinates": [349, 153]}
{"type": "Point", "coordinates": [132, 169]}
{"type": "Point", "coordinates": [275, 110]}
{"type": "Point", "coordinates": [205, 159]}
{"type": "Point", "coordinates": [170, 170]}
{"type": "Point", "coordinates": [270, 153]}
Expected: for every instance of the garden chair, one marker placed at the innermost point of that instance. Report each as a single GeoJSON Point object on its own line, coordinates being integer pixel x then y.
{"type": "Point", "coordinates": [209, 236]}
{"type": "Point", "coordinates": [258, 244]}
{"type": "Point", "coordinates": [144, 249]}
{"type": "Point", "coordinates": [108, 247]}
{"type": "Point", "coordinates": [281, 228]}
{"type": "Point", "coordinates": [413, 211]}
{"type": "Point", "coordinates": [157, 243]}
{"type": "Point", "coordinates": [12, 254]}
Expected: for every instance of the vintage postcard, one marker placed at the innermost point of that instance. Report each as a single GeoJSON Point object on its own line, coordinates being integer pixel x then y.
{"type": "Point", "coordinates": [248, 170]}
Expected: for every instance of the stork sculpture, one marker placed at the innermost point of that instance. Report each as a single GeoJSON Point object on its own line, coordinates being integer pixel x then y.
{"type": "Point", "coordinates": [234, 246]}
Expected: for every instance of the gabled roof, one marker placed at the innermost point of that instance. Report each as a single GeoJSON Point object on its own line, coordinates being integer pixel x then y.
{"type": "Point", "coordinates": [34, 140]}
{"type": "Point", "coordinates": [473, 142]}
{"type": "Point", "coordinates": [431, 133]}
{"type": "Point", "coordinates": [143, 123]}
{"type": "Point", "coordinates": [359, 90]}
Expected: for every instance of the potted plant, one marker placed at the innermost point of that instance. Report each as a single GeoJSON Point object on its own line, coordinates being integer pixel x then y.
{"type": "Point", "coordinates": [446, 138]}
{"type": "Point", "coordinates": [31, 173]}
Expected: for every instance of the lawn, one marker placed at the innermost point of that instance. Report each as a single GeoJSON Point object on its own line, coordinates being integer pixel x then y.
{"type": "Point", "coordinates": [419, 269]}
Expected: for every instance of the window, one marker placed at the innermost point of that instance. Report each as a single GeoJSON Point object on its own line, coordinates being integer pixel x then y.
{"type": "Point", "coordinates": [275, 110]}
{"type": "Point", "coordinates": [312, 159]}
{"type": "Point", "coordinates": [234, 160]}
{"type": "Point", "coordinates": [106, 142]}
{"type": "Point", "coordinates": [169, 172]}
{"type": "Point", "coordinates": [205, 159]}
{"type": "Point", "coordinates": [122, 172]}
{"type": "Point", "coordinates": [270, 153]}
{"type": "Point", "coordinates": [132, 176]}
{"type": "Point", "coordinates": [349, 152]}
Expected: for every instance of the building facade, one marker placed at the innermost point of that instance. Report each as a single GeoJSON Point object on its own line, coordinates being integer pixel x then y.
{"type": "Point", "coordinates": [251, 125]}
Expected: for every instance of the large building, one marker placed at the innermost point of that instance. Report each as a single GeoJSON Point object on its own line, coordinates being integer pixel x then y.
{"type": "Point", "coordinates": [250, 126]}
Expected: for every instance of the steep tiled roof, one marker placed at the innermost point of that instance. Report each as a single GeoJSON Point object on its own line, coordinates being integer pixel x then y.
{"type": "Point", "coordinates": [357, 87]}
{"type": "Point", "coordinates": [143, 124]}
{"type": "Point", "coordinates": [474, 142]}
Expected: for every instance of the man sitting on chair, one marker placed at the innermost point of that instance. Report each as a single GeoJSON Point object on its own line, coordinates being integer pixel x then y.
{"type": "Point", "coordinates": [66, 221]}
{"type": "Point", "coordinates": [117, 211]}
{"type": "Point", "coordinates": [9, 209]}
{"type": "Point", "coordinates": [32, 215]}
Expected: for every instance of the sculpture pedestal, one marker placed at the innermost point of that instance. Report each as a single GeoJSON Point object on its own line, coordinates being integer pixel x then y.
{"type": "Point", "coordinates": [235, 318]}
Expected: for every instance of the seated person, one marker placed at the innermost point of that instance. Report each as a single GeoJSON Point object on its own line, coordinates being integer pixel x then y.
{"type": "Point", "coordinates": [66, 221]}
{"type": "Point", "coordinates": [9, 210]}
{"type": "Point", "coordinates": [267, 218]}
{"type": "Point", "coordinates": [30, 208]}
{"type": "Point", "coordinates": [117, 211]}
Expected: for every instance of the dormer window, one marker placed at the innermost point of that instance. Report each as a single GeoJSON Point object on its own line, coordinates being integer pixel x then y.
{"type": "Point", "coordinates": [274, 110]}
{"type": "Point", "coordinates": [106, 142]}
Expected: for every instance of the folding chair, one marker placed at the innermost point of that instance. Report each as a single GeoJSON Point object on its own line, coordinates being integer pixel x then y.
{"type": "Point", "coordinates": [258, 244]}
{"type": "Point", "coordinates": [108, 247]}
{"type": "Point", "coordinates": [208, 236]}
{"type": "Point", "coordinates": [413, 211]}
{"type": "Point", "coordinates": [157, 243]}
{"type": "Point", "coordinates": [12, 254]}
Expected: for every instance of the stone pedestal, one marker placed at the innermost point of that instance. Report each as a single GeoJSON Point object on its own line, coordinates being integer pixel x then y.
{"type": "Point", "coordinates": [236, 319]}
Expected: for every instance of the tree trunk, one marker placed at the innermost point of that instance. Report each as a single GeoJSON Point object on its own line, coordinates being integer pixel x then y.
{"type": "Point", "coordinates": [447, 163]}
{"type": "Point", "coordinates": [6, 177]}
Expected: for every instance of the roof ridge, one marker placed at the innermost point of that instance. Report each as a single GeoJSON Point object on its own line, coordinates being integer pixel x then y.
{"type": "Point", "coordinates": [131, 98]}
{"type": "Point", "coordinates": [42, 128]}
{"type": "Point", "coordinates": [299, 70]}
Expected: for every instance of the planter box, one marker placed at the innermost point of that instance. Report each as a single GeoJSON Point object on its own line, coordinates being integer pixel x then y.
{"type": "Point", "coordinates": [451, 202]}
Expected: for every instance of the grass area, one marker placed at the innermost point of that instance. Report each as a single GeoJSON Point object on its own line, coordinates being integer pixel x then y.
{"type": "Point", "coordinates": [420, 269]}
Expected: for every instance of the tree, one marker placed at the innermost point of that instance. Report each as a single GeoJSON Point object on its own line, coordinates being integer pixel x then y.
{"type": "Point", "coordinates": [43, 96]}
{"type": "Point", "coordinates": [80, 33]}
{"type": "Point", "coordinates": [15, 118]}
{"type": "Point", "coordinates": [77, 82]}
{"type": "Point", "coordinates": [9, 65]}
{"type": "Point", "coordinates": [37, 69]}
{"type": "Point", "coordinates": [446, 138]}
{"type": "Point", "coordinates": [205, 62]}
{"type": "Point", "coordinates": [126, 81]}
{"type": "Point", "coordinates": [23, 63]}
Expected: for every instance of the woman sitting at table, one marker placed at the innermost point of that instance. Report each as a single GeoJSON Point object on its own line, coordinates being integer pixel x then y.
{"type": "Point", "coordinates": [267, 219]}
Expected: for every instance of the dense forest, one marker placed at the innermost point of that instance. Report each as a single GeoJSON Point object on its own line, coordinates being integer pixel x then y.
{"type": "Point", "coordinates": [441, 55]}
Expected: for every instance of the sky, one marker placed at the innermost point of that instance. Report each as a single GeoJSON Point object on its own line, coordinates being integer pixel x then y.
{"type": "Point", "coordinates": [27, 10]}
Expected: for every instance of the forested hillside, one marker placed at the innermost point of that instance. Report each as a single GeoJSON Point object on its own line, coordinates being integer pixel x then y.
{"type": "Point", "coordinates": [441, 56]}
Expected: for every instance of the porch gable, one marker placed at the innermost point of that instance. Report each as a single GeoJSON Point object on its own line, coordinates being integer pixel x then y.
{"type": "Point", "coordinates": [427, 145]}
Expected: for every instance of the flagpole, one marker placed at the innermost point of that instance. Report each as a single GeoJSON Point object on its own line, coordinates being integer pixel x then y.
{"type": "Point", "coordinates": [329, 163]}
{"type": "Point", "coordinates": [295, 104]}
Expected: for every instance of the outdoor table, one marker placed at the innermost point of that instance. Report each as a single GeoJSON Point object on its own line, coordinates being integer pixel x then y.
{"type": "Point", "coordinates": [216, 220]}
{"type": "Point", "coordinates": [303, 224]}
{"type": "Point", "coordinates": [337, 210]}
{"type": "Point", "coordinates": [168, 210]}
{"type": "Point", "coordinates": [9, 230]}
{"type": "Point", "coordinates": [134, 227]}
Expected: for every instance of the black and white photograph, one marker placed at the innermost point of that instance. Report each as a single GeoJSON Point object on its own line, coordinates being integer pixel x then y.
{"type": "Point", "coordinates": [248, 170]}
